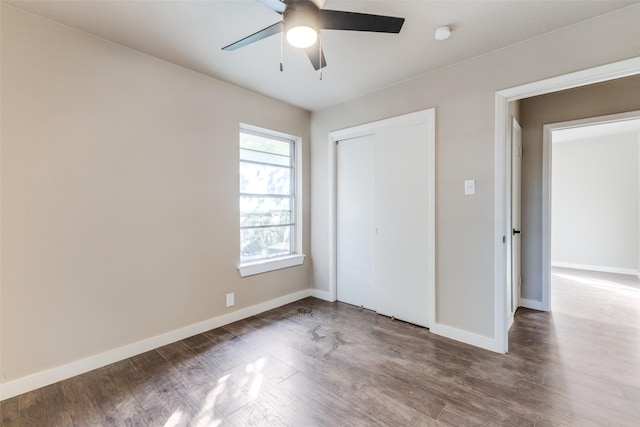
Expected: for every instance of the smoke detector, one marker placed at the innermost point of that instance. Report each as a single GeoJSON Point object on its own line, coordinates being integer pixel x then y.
{"type": "Point", "coordinates": [443, 33]}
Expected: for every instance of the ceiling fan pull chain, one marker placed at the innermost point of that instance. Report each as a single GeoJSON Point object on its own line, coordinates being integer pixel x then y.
{"type": "Point", "coordinates": [282, 49]}
{"type": "Point", "coordinates": [320, 54]}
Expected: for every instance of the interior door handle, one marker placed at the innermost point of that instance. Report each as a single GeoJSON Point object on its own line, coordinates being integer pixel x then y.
{"type": "Point", "coordinates": [516, 231]}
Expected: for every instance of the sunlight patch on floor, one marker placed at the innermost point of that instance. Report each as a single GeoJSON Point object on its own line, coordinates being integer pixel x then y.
{"type": "Point", "coordinates": [175, 418]}
{"type": "Point", "coordinates": [255, 369]}
{"type": "Point", "coordinates": [602, 284]}
{"type": "Point", "coordinates": [207, 414]}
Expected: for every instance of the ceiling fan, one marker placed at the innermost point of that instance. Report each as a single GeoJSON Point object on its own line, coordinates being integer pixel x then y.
{"type": "Point", "coordinates": [303, 19]}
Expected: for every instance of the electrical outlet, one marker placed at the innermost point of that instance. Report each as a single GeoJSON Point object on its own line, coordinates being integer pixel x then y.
{"type": "Point", "coordinates": [230, 299]}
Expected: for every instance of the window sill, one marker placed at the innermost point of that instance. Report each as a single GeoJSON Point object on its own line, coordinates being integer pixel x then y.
{"type": "Point", "coordinates": [263, 266]}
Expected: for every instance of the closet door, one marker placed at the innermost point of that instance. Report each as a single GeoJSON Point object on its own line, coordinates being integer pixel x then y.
{"type": "Point", "coordinates": [385, 223]}
{"type": "Point", "coordinates": [355, 228]}
{"type": "Point", "coordinates": [401, 212]}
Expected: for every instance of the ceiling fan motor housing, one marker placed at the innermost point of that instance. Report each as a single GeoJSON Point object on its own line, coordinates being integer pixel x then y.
{"type": "Point", "coordinates": [301, 13]}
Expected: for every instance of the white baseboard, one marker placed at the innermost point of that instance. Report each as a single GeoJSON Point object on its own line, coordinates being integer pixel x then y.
{"type": "Point", "coordinates": [532, 304]}
{"type": "Point", "coordinates": [438, 329]}
{"type": "Point", "coordinates": [600, 268]}
{"type": "Point", "coordinates": [59, 373]}
{"type": "Point", "coordinates": [465, 337]}
{"type": "Point", "coordinates": [323, 295]}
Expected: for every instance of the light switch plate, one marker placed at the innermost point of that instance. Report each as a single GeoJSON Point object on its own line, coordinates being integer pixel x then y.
{"type": "Point", "coordinates": [469, 187]}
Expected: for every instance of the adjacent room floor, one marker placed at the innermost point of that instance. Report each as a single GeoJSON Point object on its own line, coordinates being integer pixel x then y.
{"type": "Point", "coordinates": [318, 363]}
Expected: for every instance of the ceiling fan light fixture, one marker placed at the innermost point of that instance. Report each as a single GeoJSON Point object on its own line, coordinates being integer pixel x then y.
{"type": "Point", "coordinates": [302, 36]}
{"type": "Point", "coordinates": [301, 24]}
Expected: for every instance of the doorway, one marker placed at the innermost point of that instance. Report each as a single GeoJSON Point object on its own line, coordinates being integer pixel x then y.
{"type": "Point", "coordinates": [503, 202]}
{"type": "Point", "coordinates": [592, 204]}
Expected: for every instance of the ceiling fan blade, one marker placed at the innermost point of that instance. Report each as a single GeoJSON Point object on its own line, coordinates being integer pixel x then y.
{"type": "Point", "coordinates": [314, 56]}
{"type": "Point", "coordinates": [353, 21]}
{"type": "Point", "coordinates": [262, 34]}
{"type": "Point", "coordinates": [275, 5]}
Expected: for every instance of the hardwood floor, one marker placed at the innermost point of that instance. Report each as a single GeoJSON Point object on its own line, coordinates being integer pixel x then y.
{"type": "Point", "coordinates": [317, 363]}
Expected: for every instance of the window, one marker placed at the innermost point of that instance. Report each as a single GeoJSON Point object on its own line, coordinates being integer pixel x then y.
{"type": "Point", "coordinates": [268, 201]}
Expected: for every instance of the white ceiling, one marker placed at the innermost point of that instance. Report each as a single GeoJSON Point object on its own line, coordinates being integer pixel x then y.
{"type": "Point", "coordinates": [192, 33]}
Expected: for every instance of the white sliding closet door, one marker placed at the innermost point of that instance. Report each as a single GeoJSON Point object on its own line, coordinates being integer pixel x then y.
{"type": "Point", "coordinates": [401, 212]}
{"type": "Point", "coordinates": [385, 227]}
{"type": "Point", "coordinates": [355, 228]}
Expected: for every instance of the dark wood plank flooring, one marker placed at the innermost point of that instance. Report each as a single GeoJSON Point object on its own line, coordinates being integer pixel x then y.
{"type": "Point", "coordinates": [314, 363]}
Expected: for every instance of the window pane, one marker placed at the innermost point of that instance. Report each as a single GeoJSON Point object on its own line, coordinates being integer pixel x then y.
{"type": "Point", "coordinates": [267, 195]}
{"type": "Point", "coordinates": [258, 243]}
{"type": "Point", "coordinates": [265, 211]}
{"type": "Point", "coordinates": [261, 143]}
{"type": "Point", "coordinates": [262, 157]}
{"type": "Point", "coordinates": [262, 179]}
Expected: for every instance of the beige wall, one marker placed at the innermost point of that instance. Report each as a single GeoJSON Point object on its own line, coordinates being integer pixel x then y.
{"type": "Point", "coordinates": [600, 99]}
{"type": "Point", "coordinates": [119, 195]}
{"type": "Point", "coordinates": [464, 97]}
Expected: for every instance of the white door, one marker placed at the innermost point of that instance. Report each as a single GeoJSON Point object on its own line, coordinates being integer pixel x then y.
{"type": "Point", "coordinates": [385, 217]}
{"type": "Point", "coordinates": [402, 235]}
{"type": "Point", "coordinates": [516, 203]}
{"type": "Point", "coordinates": [355, 228]}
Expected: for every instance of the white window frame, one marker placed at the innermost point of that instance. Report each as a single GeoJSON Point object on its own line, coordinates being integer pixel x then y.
{"type": "Point", "coordinates": [250, 268]}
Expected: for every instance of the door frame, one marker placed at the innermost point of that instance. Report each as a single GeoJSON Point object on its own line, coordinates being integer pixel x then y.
{"type": "Point", "coordinates": [547, 157]}
{"type": "Point", "coordinates": [502, 206]}
{"type": "Point", "coordinates": [419, 117]}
